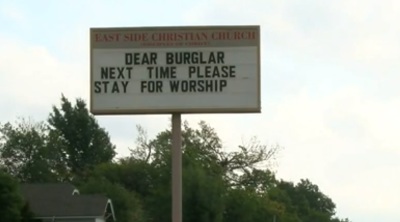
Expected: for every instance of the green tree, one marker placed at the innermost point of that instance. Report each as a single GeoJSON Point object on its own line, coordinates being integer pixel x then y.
{"type": "Point", "coordinates": [257, 180]}
{"type": "Point", "coordinates": [240, 206]}
{"type": "Point", "coordinates": [204, 146]}
{"type": "Point", "coordinates": [12, 205]}
{"type": "Point", "coordinates": [126, 204]}
{"type": "Point", "coordinates": [83, 143]}
{"type": "Point", "coordinates": [134, 175]}
{"type": "Point", "coordinates": [208, 171]}
{"type": "Point", "coordinates": [203, 195]}
{"type": "Point", "coordinates": [217, 185]}
{"type": "Point", "coordinates": [149, 183]}
{"type": "Point", "coordinates": [26, 153]}
{"type": "Point", "coordinates": [316, 199]}
{"type": "Point", "coordinates": [284, 193]}
{"type": "Point", "coordinates": [303, 201]}
{"type": "Point", "coordinates": [10, 199]}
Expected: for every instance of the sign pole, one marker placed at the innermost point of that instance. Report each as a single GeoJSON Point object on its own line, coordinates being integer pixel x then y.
{"type": "Point", "coordinates": [176, 168]}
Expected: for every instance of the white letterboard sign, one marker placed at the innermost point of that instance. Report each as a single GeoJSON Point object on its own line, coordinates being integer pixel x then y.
{"type": "Point", "coordinates": [159, 70]}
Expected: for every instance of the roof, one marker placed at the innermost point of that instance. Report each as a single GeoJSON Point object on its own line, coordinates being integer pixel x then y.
{"type": "Point", "coordinates": [93, 206]}
{"type": "Point", "coordinates": [57, 200]}
{"type": "Point", "coordinates": [47, 190]}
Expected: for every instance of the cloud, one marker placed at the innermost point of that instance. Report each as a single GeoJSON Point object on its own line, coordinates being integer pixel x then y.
{"type": "Point", "coordinates": [33, 78]}
{"type": "Point", "coordinates": [349, 32]}
{"type": "Point", "coordinates": [373, 190]}
{"type": "Point", "coordinates": [12, 13]}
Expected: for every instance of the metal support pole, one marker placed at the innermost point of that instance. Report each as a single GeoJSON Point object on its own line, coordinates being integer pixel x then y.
{"type": "Point", "coordinates": [176, 168]}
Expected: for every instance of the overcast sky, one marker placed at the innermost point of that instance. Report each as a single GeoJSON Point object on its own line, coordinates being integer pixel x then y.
{"type": "Point", "coordinates": [330, 76]}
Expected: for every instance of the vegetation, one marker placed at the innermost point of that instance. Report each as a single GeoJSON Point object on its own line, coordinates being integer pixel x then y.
{"type": "Point", "coordinates": [12, 205]}
{"type": "Point", "coordinates": [218, 186]}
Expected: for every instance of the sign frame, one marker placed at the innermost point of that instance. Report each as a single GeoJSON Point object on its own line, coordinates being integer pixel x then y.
{"type": "Point", "coordinates": [193, 110]}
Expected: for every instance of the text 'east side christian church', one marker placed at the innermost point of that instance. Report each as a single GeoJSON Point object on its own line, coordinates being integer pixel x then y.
{"type": "Point", "coordinates": [202, 72]}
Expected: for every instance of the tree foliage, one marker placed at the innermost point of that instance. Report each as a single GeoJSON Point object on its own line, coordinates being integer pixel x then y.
{"type": "Point", "coordinates": [26, 153]}
{"type": "Point", "coordinates": [10, 199]}
{"type": "Point", "coordinates": [83, 143]}
{"type": "Point", "coordinates": [126, 205]}
{"type": "Point", "coordinates": [12, 205]}
{"type": "Point", "coordinates": [219, 185]}
{"type": "Point", "coordinates": [69, 145]}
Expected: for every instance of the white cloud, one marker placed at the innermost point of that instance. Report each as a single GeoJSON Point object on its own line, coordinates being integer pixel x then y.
{"type": "Point", "coordinates": [374, 190]}
{"type": "Point", "coordinates": [33, 78]}
{"type": "Point", "coordinates": [13, 13]}
{"type": "Point", "coordinates": [349, 32]}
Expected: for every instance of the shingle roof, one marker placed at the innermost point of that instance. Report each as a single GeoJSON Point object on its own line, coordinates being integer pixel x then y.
{"type": "Point", "coordinates": [46, 190]}
{"type": "Point", "coordinates": [55, 200]}
{"type": "Point", "coordinates": [82, 205]}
